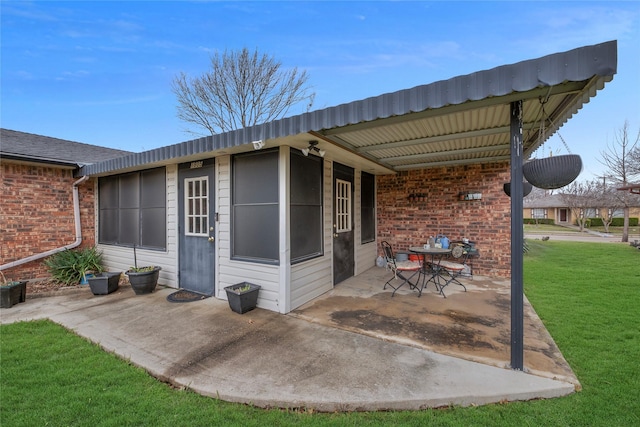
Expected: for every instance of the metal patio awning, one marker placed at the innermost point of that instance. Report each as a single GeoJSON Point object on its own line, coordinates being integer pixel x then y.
{"type": "Point", "coordinates": [463, 120]}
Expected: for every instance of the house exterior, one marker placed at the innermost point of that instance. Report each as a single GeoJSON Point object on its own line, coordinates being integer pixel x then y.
{"type": "Point", "coordinates": [38, 176]}
{"type": "Point", "coordinates": [550, 207]}
{"type": "Point", "coordinates": [554, 208]}
{"type": "Point", "coordinates": [262, 205]}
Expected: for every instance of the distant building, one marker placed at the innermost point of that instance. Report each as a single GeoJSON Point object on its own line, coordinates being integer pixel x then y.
{"type": "Point", "coordinates": [554, 207]}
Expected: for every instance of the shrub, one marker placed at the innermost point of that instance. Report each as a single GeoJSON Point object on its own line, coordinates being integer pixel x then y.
{"type": "Point", "coordinates": [616, 222]}
{"type": "Point", "coordinates": [545, 221]}
{"type": "Point", "coordinates": [596, 222]}
{"type": "Point", "coordinates": [69, 266]}
{"type": "Point", "coordinates": [619, 222]}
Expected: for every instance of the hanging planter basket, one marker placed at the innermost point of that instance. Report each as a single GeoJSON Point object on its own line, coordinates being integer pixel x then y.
{"type": "Point", "coordinates": [553, 172]}
{"type": "Point", "coordinates": [526, 188]}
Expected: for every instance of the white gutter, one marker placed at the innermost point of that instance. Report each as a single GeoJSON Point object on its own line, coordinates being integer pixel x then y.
{"type": "Point", "coordinates": [76, 218]}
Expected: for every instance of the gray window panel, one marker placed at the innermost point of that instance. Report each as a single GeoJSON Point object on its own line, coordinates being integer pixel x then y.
{"type": "Point", "coordinates": [122, 221]}
{"type": "Point", "coordinates": [368, 208]}
{"type": "Point", "coordinates": [306, 232]}
{"type": "Point", "coordinates": [306, 207]}
{"type": "Point", "coordinates": [153, 184]}
{"type": "Point", "coordinates": [152, 220]}
{"type": "Point", "coordinates": [108, 193]}
{"type": "Point", "coordinates": [108, 226]}
{"type": "Point", "coordinates": [128, 227]}
{"type": "Point", "coordinates": [255, 178]}
{"type": "Point", "coordinates": [306, 179]}
{"type": "Point", "coordinates": [255, 220]}
{"type": "Point", "coordinates": [129, 191]}
{"type": "Point", "coordinates": [255, 232]}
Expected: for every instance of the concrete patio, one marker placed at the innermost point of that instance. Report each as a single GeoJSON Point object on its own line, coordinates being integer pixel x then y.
{"type": "Point", "coordinates": [354, 349]}
{"type": "Point", "coordinates": [472, 325]}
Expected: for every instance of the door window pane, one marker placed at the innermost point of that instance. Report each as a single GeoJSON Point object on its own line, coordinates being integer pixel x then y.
{"type": "Point", "coordinates": [196, 202]}
{"type": "Point", "coordinates": [343, 206]}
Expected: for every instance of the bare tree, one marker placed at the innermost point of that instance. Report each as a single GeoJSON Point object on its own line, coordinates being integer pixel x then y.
{"type": "Point", "coordinates": [607, 202]}
{"type": "Point", "coordinates": [241, 89]}
{"type": "Point", "coordinates": [619, 160]}
{"type": "Point", "coordinates": [634, 160]}
{"type": "Point", "coordinates": [580, 198]}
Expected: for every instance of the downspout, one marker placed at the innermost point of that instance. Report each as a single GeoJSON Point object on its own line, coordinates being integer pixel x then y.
{"type": "Point", "coordinates": [76, 218]}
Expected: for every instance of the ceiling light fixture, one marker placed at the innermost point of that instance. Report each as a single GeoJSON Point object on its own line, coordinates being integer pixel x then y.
{"type": "Point", "coordinates": [313, 147]}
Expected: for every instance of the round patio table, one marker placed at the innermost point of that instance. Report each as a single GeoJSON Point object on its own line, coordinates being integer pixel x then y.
{"type": "Point", "coordinates": [430, 268]}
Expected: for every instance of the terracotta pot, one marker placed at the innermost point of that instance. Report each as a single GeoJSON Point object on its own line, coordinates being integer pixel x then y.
{"type": "Point", "coordinates": [553, 172]}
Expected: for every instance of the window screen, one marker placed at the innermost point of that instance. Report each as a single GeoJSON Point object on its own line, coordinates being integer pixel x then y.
{"type": "Point", "coordinates": [306, 206]}
{"type": "Point", "coordinates": [132, 209]}
{"type": "Point", "coordinates": [368, 207]}
{"type": "Point", "coordinates": [255, 215]}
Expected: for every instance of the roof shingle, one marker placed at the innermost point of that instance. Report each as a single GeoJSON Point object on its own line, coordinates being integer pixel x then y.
{"type": "Point", "coordinates": [45, 149]}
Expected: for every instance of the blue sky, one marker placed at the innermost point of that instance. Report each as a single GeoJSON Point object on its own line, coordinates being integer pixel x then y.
{"type": "Point", "coordinates": [101, 72]}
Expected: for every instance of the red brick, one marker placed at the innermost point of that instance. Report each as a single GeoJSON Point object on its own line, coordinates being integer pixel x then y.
{"type": "Point", "coordinates": [36, 214]}
{"type": "Point", "coordinates": [405, 223]}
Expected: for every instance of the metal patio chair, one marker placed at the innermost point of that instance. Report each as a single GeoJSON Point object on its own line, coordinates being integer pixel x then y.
{"type": "Point", "coordinates": [465, 254]}
{"type": "Point", "coordinates": [402, 270]}
{"type": "Point", "coordinates": [454, 269]}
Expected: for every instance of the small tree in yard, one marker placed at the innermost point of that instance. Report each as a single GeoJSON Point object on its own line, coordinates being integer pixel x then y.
{"type": "Point", "coordinates": [621, 159]}
{"type": "Point", "coordinates": [608, 202]}
{"type": "Point", "coordinates": [242, 89]}
{"type": "Point", "coordinates": [580, 197]}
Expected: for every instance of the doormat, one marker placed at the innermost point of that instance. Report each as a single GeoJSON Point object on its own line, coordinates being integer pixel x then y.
{"type": "Point", "coordinates": [185, 296]}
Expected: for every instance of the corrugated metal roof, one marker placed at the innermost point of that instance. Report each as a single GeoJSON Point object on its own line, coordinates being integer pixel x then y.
{"type": "Point", "coordinates": [457, 121]}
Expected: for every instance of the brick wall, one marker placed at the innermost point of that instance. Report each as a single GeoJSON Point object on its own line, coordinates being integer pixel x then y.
{"type": "Point", "coordinates": [404, 223]}
{"type": "Point", "coordinates": [36, 215]}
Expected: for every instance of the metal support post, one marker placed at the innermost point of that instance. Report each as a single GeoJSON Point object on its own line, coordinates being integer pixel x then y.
{"type": "Point", "coordinates": [517, 240]}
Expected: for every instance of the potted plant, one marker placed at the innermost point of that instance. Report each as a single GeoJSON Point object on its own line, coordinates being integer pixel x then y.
{"type": "Point", "coordinates": [526, 188]}
{"type": "Point", "coordinates": [242, 297]}
{"type": "Point", "coordinates": [553, 172]}
{"type": "Point", "coordinates": [143, 279]}
{"type": "Point", "coordinates": [12, 292]}
{"type": "Point", "coordinates": [104, 283]}
{"type": "Point", "coordinates": [72, 267]}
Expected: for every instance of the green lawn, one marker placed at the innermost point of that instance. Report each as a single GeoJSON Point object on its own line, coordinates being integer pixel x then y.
{"type": "Point", "coordinates": [547, 228]}
{"type": "Point", "coordinates": [587, 294]}
{"type": "Point", "coordinates": [634, 232]}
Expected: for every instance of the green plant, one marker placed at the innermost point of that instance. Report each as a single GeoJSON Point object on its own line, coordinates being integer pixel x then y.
{"type": "Point", "coordinates": [141, 269]}
{"type": "Point", "coordinates": [241, 289]}
{"type": "Point", "coordinates": [69, 266]}
{"type": "Point", "coordinates": [539, 221]}
{"type": "Point", "coordinates": [3, 282]}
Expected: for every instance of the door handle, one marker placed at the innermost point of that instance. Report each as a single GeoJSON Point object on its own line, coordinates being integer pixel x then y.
{"type": "Point", "coordinates": [211, 239]}
{"type": "Point", "coordinates": [335, 234]}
